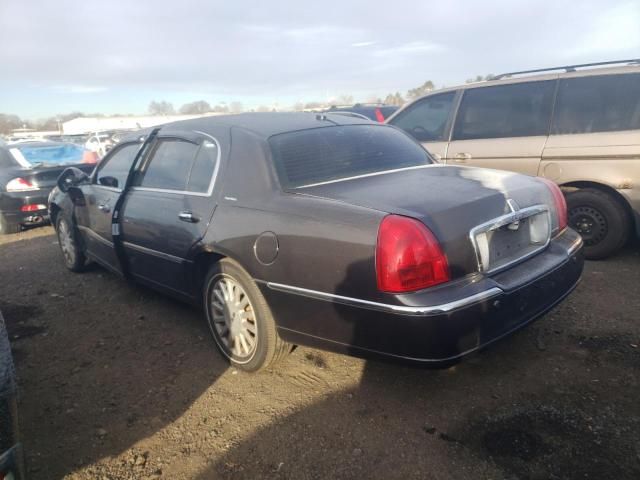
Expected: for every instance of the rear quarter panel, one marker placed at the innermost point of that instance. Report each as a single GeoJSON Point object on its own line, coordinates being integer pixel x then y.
{"type": "Point", "coordinates": [608, 158]}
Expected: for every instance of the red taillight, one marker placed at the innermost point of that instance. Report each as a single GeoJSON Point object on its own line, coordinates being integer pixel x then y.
{"type": "Point", "coordinates": [408, 256]}
{"type": "Point", "coordinates": [559, 201]}
{"type": "Point", "coordinates": [379, 115]}
{"type": "Point", "coordinates": [20, 185]}
{"type": "Point", "coordinates": [33, 207]}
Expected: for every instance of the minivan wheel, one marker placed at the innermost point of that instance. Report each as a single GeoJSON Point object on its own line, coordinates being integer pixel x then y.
{"type": "Point", "coordinates": [240, 320]}
{"type": "Point", "coordinates": [68, 239]}
{"type": "Point", "coordinates": [600, 219]}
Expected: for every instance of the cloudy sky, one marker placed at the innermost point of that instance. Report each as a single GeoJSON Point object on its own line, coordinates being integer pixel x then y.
{"type": "Point", "coordinates": [118, 55]}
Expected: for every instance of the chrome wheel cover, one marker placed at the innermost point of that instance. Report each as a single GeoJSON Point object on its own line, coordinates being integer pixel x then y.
{"type": "Point", "coordinates": [232, 319]}
{"type": "Point", "coordinates": [67, 243]}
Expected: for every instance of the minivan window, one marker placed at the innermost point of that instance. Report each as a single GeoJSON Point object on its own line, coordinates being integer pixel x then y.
{"type": "Point", "coordinates": [426, 120]}
{"type": "Point", "coordinates": [602, 103]}
{"type": "Point", "coordinates": [203, 167]}
{"type": "Point", "coordinates": [169, 166]}
{"type": "Point", "coordinates": [114, 169]}
{"type": "Point", "coordinates": [331, 153]}
{"type": "Point", "coordinates": [514, 110]}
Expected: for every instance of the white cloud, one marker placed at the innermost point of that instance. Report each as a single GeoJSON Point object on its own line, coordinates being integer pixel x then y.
{"type": "Point", "coordinates": [362, 44]}
{"type": "Point", "coordinates": [615, 30]}
{"type": "Point", "coordinates": [79, 89]}
{"type": "Point", "coordinates": [411, 48]}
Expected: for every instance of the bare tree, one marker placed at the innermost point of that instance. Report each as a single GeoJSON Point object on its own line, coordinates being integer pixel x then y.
{"type": "Point", "coordinates": [197, 107]}
{"type": "Point", "coordinates": [423, 89]}
{"type": "Point", "coordinates": [161, 108]}
{"type": "Point", "coordinates": [345, 99]}
{"type": "Point", "coordinates": [236, 107]}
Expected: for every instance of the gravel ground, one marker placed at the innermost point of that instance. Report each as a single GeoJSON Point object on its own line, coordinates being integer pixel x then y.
{"type": "Point", "coordinates": [119, 382]}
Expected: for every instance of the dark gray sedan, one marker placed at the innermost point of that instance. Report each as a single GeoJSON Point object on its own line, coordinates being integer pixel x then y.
{"type": "Point", "coordinates": [322, 230]}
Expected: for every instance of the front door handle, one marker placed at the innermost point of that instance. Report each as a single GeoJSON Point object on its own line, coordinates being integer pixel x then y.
{"type": "Point", "coordinates": [462, 157]}
{"type": "Point", "coordinates": [104, 207]}
{"type": "Point", "coordinates": [188, 217]}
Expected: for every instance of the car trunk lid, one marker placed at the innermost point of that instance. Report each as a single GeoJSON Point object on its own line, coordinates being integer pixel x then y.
{"type": "Point", "coordinates": [450, 201]}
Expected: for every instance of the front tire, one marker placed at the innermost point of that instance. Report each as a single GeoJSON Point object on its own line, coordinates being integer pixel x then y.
{"type": "Point", "coordinates": [68, 239]}
{"type": "Point", "coordinates": [240, 320]}
{"type": "Point", "coordinates": [600, 219]}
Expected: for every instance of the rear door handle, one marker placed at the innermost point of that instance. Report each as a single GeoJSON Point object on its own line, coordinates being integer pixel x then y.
{"type": "Point", "coordinates": [188, 217]}
{"type": "Point", "coordinates": [462, 157]}
{"type": "Point", "coordinates": [104, 207]}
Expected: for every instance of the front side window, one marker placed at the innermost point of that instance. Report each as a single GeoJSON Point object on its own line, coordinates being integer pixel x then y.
{"type": "Point", "coordinates": [427, 119]}
{"type": "Point", "coordinates": [169, 166]}
{"type": "Point", "coordinates": [114, 169]}
{"type": "Point", "coordinates": [319, 155]}
{"type": "Point", "coordinates": [602, 103]}
{"type": "Point", "coordinates": [515, 110]}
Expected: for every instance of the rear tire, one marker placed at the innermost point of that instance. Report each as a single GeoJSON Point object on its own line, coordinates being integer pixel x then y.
{"type": "Point", "coordinates": [240, 320]}
{"type": "Point", "coordinates": [6, 227]}
{"type": "Point", "coordinates": [601, 220]}
{"type": "Point", "coordinates": [69, 241]}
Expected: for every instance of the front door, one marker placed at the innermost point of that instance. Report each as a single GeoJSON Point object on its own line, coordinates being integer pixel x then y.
{"type": "Point", "coordinates": [503, 127]}
{"type": "Point", "coordinates": [94, 214]}
{"type": "Point", "coordinates": [168, 209]}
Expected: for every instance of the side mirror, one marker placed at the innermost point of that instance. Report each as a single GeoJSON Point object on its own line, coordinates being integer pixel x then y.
{"type": "Point", "coordinates": [108, 181]}
{"type": "Point", "coordinates": [71, 177]}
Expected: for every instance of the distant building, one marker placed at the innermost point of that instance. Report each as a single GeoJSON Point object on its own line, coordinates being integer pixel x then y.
{"type": "Point", "coordinates": [82, 125]}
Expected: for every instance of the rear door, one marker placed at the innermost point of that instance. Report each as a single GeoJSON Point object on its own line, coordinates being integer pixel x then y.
{"type": "Point", "coordinates": [503, 126]}
{"type": "Point", "coordinates": [94, 214]}
{"type": "Point", "coordinates": [169, 207]}
{"type": "Point", "coordinates": [595, 133]}
{"type": "Point", "coordinates": [429, 121]}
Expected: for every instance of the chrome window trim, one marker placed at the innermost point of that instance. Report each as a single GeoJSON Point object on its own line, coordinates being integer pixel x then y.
{"type": "Point", "coordinates": [426, 310]}
{"type": "Point", "coordinates": [187, 192]}
{"type": "Point", "coordinates": [365, 175]}
{"type": "Point", "coordinates": [507, 219]}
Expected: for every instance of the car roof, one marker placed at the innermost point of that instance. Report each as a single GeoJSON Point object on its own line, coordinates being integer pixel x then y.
{"type": "Point", "coordinates": [267, 124]}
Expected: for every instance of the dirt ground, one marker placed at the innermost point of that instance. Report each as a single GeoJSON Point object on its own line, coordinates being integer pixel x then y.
{"type": "Point", "coordinates": [118, 382]}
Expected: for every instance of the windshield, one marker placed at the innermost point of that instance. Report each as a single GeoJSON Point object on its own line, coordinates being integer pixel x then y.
{"type": "Point", "coordinates": [324, 154]}
{"type": "Point", "coordinates": [49, 155]}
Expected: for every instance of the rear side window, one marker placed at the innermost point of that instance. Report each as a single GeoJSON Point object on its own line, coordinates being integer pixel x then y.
{"type": "Point", "coordinates": [516, 110]}
{"type": "Point", "coordinates": [114, 169]}
{"type": "Point", "coordinates": [427, 119]}
{"type": "Point", "coordinates": [170, 165]}
{"type": "Point", "coordinates": [203, 168]}
{"type": "Point", "coordinates": [313, 156]}
{"type": "Point", "coordinates": [602, 103]}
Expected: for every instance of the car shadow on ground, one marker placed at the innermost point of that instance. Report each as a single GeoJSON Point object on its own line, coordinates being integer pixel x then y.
{"type": "Point", "coordinates": [102, 364]}
{"type": "Point", "coordinates": [495, 416]}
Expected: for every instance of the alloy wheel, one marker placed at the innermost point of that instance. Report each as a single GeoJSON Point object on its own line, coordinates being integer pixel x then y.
{"type": "Point", "coordinates": [67, 243]}
{"type": "Point", "coordinates": [233, 318]}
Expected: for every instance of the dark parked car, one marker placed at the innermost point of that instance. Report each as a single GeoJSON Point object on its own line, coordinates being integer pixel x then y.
{"type": "Point", "coordinates": [376, 112]}
{"type": "Point", "coordinates": [11, 456]}
{"type": "Point", "coordinates": [322, 230]}
{"type": "Point", "coordinates": [28, 172]}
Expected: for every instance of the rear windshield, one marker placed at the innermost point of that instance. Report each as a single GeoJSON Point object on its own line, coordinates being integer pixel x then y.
{"type": "Point", "coordinates": [51, 155]}
{"type": "Point", "coordinates": [6, 160]}
{"type": "Point", "coordinates": [332, 153]}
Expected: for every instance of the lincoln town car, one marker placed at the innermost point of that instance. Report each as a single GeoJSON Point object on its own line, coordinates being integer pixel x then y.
{"type": "Point", "coordinates": [322, 230]}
